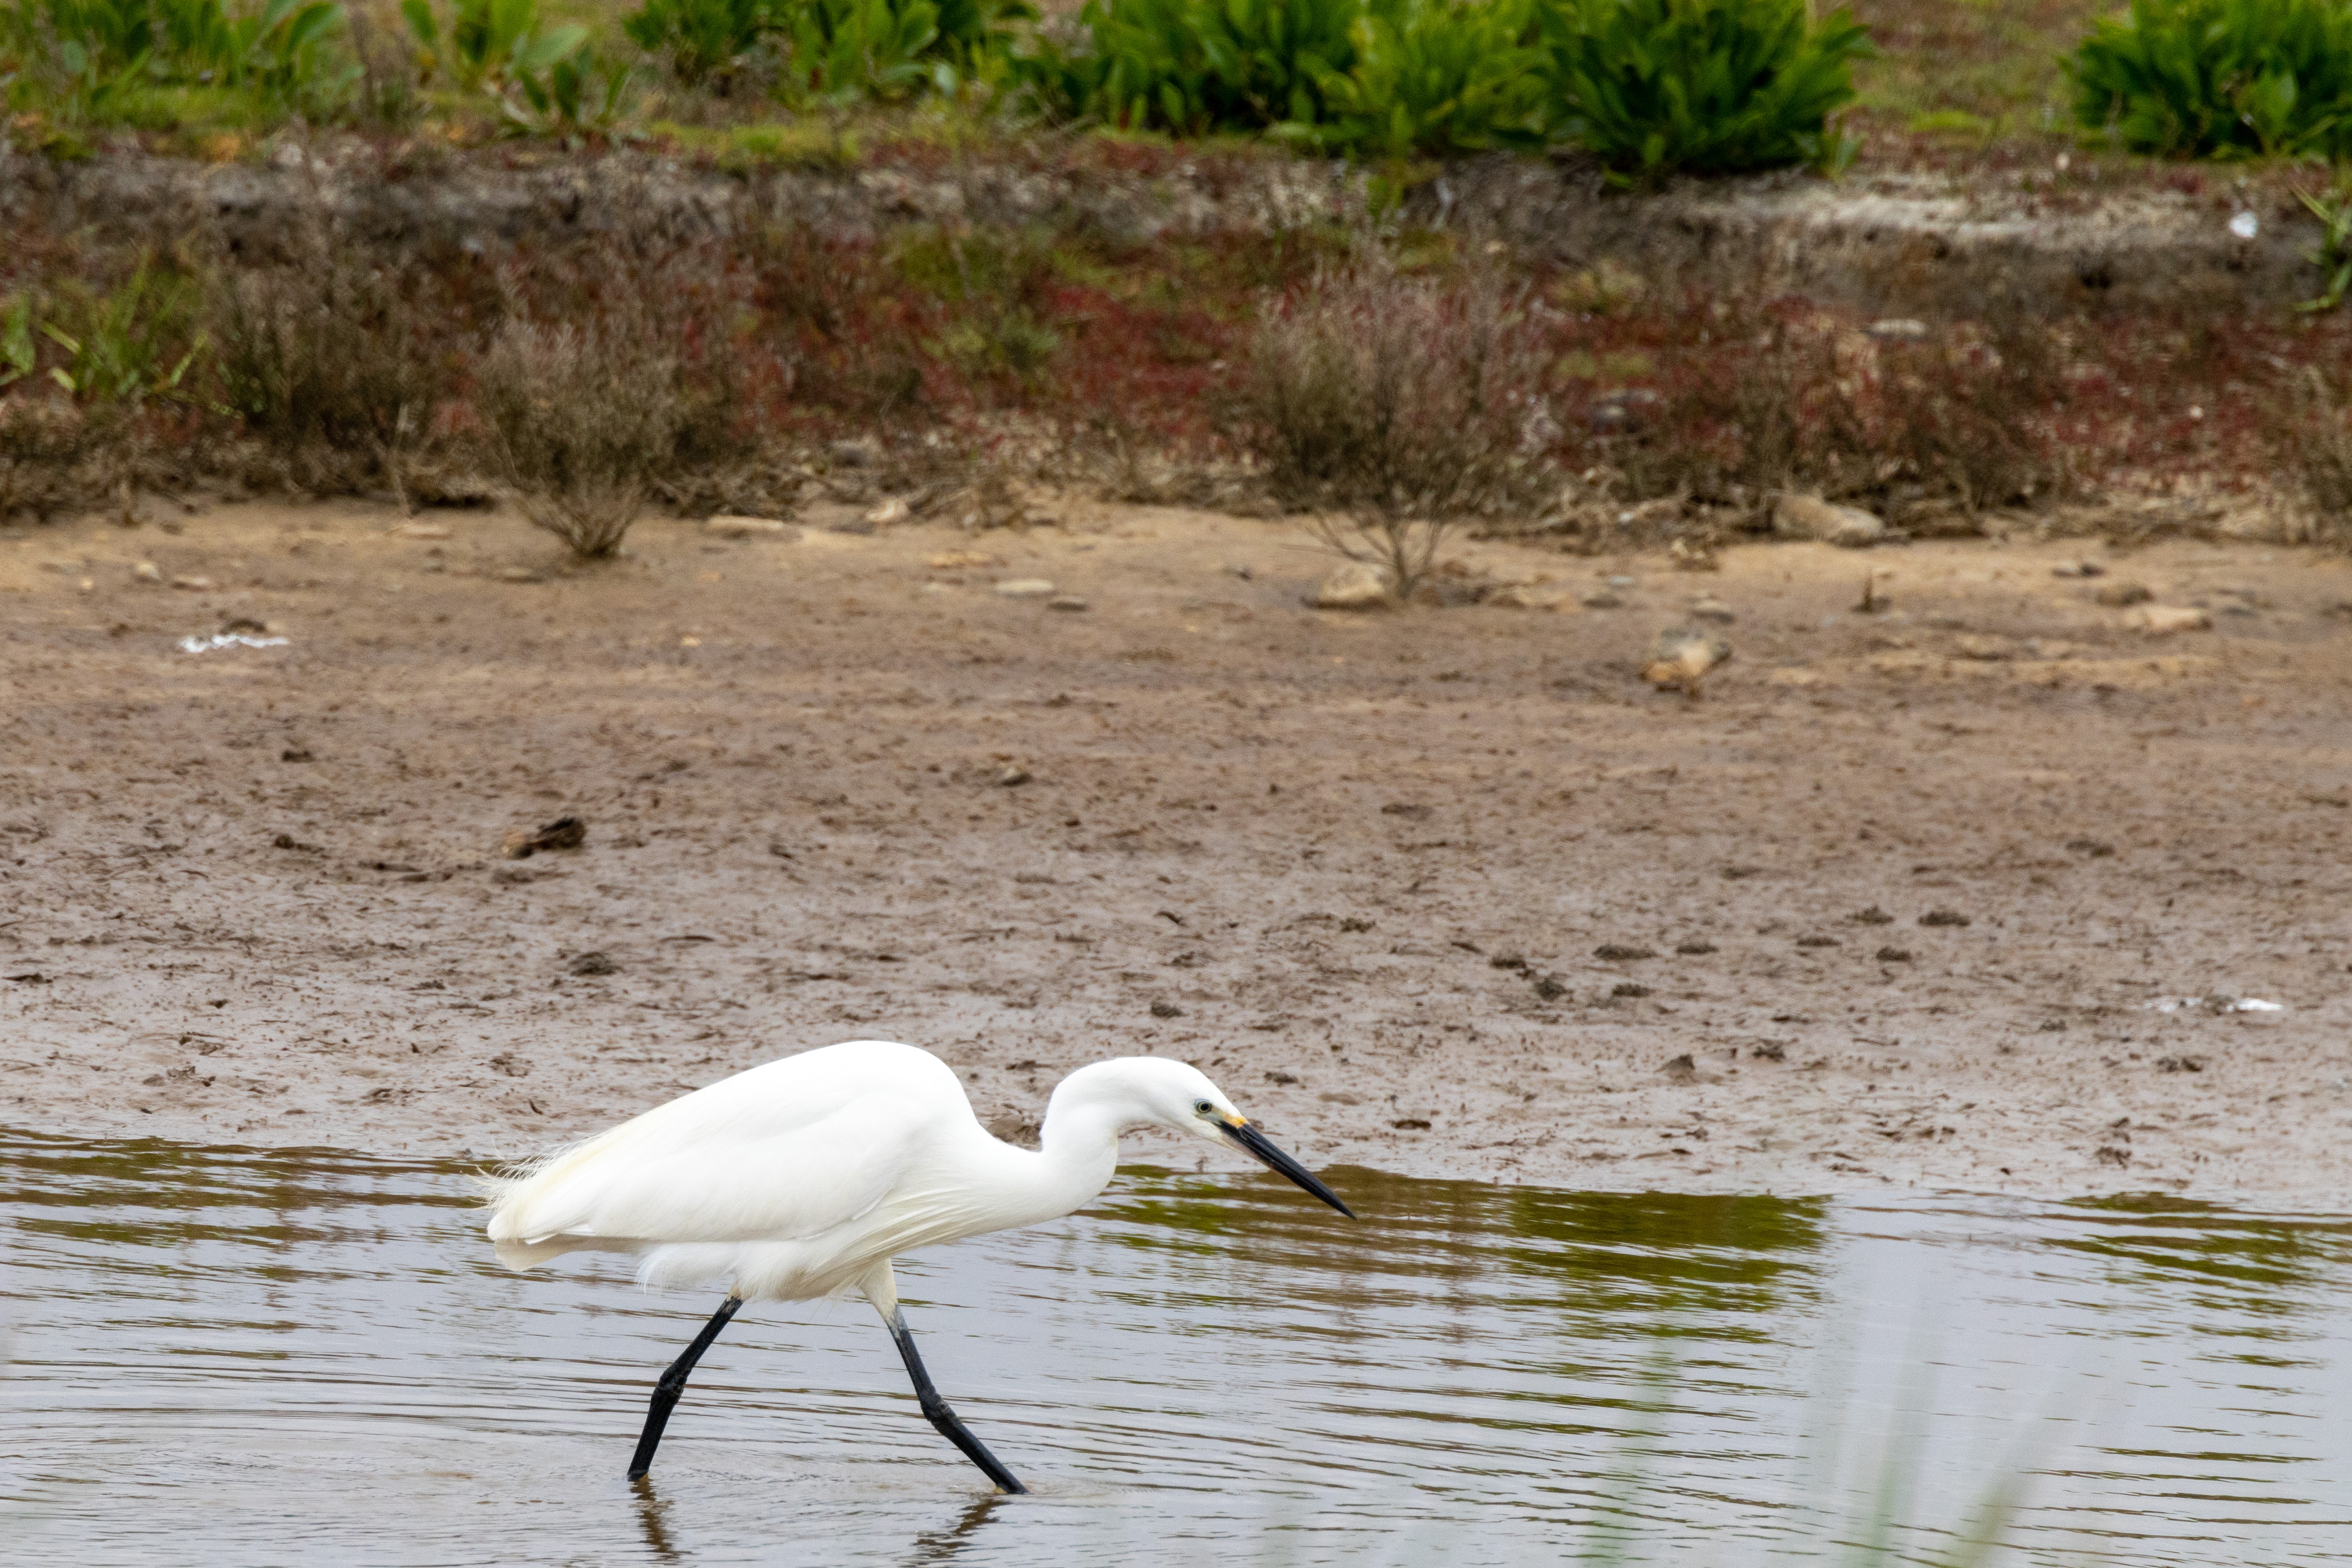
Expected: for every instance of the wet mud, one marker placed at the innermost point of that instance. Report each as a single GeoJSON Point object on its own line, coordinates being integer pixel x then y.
{"type": "Point", "coordinates": [1966, 889]}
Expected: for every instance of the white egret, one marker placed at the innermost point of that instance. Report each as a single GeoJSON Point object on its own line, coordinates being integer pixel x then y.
{"type": "Point", "coordinates": [805, 1176]}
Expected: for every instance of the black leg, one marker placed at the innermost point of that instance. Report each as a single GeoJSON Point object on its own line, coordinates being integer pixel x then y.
{"type": "Point", "coordinates": [936, 1411]}
{"type": "Point", "coordinates": [673, 1383]}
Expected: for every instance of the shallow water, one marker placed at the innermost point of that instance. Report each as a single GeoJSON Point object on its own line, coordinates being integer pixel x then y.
{"type": "Point", "coordinates": [219, 1356]}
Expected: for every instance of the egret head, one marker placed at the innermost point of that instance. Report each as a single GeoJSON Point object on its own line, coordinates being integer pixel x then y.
{"type": "Point", "coordinates": [1180, 1096]}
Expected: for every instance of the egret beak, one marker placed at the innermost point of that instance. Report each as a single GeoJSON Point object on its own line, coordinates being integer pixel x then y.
{"type": "Point", "coordinates": [1243, 1135]}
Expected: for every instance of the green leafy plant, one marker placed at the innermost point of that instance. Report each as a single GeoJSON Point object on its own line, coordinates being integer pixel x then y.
{"type": "Point", "coordinates": [135, 341]}
{"type": "Point", "coordinates": [1655, 87]}
{"type": "Point", "coordinates": [106, 53]}
{"type": "Point", "coordinates": [1437, 78]}
{"type": "Point", "coordinates": [483, 44]}
{"type": "Point", "coordinates": [1199, 65]}
{"type": "Point", "coordinates": [841, 51]}
{"type": "Point", "coordinates": [576, 93]}
{"type": "Point", "coordinates": [2333, 256]}
{"type": "Point", "coordinates": [2221, 78]}
{"type": "Point", "coordinates": [702, 39]}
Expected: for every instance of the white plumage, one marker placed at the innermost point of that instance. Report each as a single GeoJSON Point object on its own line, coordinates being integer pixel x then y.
{"type": "Point", "coordinates": [805, 1176]}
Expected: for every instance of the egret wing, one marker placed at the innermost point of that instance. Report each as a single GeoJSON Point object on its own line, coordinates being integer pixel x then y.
{"type": "Point", "coordinates": [685, 1178]}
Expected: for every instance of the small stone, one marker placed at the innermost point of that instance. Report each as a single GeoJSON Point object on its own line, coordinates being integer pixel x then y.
{"type": "Point", "coordinates": [1944, 917]}
{"type": "Point", "coordinates": [1531, 596]}
{"type": "Point", "coordinates": [593, 964]}
{"type": "Point", "coordinates": [2079, 569]}
{"type": "Point", "coordinates": [1166, 1010]}
{"type": "Point", "coordinates": [1682, 657]}
{"type": "Point", "coordinates": [1068, 602]}
{"type": "Point", "coordinates": [519, 575]}
{"type": "Point", "coordinates": [1632, 989]}
{"type": "Point", "coordinates": [1026, 588]}
{"type": "Point", "coordinates": [1618, 952]}
{"type": "Point", "coordinates": [1601, 599]}
{"type": "Point", "coordinates": [1892, 955]}
{"type": "Point", "coordinates": [2180, 1064]}
{"type": "Point", "coordinates": [1694, 948]}
{"type": "Point", "coordinates": [962, 561]}
{"type": "Point", "coordinates": [1972, 645]}
{"type": "Point", "coordinates": [1013, 775]}
{"type": "Point", "coordinates": [883, 513]}
{"type": "Point", "coordinates": [198, 584]}
{"type": "Point", "coordinates": [563, 833]}
{"type": "Point", "coordinates": [296, 754]}
{"type": "Point", "coordinates": [1873, 916]}
{"type": "Point", "coordinates": [1680, 1066]}
{"type": "Point", "coordinates": [419, 529]}
{"type": "Point", "coordinates": [2117, 594]}
{"type": "Point", "coordinates": [730, 527]}
{"type": "Point", "coordinates": [1240, 569]}
{"type": "Point", "coordinates": [1710, 608]}
{"type": "Point", "coordinates": [1356, 585]}
{"type": "Point", "coordinates": [1817, 942]}
{"type": "Point", "coordinates": [1810, 517]}
{"type": "Point", "coordinates": [2166, 620]}
{"type": "Point", "coordinates": [148, 571]}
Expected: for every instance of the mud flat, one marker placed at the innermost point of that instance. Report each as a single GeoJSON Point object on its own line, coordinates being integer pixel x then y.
{"type": "Point", "coordinates": [1974, 890]}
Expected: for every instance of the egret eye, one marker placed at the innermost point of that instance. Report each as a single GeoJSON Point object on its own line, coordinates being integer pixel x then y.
{"type": "Point", "coordinates": [1202, 1108]}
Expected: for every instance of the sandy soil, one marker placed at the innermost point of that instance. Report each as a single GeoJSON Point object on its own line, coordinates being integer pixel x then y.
{"type": "Point", "coordinates": [1361, 869]}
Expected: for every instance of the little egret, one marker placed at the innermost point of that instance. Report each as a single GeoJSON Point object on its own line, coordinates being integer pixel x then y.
{"type": "Point", "coordinates": [804, 1178]}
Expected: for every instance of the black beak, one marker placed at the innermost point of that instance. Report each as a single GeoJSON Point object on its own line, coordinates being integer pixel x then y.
{"type": "Point", "coordinates": [1248, 1137]}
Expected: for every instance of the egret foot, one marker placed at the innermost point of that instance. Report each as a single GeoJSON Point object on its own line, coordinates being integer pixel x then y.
{"type": "Point", "coordinates": [672, 1385]}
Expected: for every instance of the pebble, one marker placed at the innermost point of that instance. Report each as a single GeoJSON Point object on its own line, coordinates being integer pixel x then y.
{"type": "Point", "coordinates": [1356, 585]}
{"type": "Point", "coordinates": [1026, 588]}
{"type": "Point", "coordinates": [1709, 608]}
{"type": "Point", "coordinates": [198, 583]}
{"type": "Point", "coordinates": [1531, 596]}
{"type": "Point", "coordinates": [1602, 600]}
{"type": "Point", "coordinates": [148, 571]}
{"type": "Point", "coordinates": [727, 527]}
{"type": "Point", "coordinates": [2120, 593]}
{"type": "Point", "coordinates": [1682, 657]}
{"type": "Point", "coordinates": [882, 515]}
{"type": "Point", "coordinates": [1810, 517]}
{"type": "Point", "coordinates": [421, 529]}
{"type": "Point", "coordinates": [1069, 602]}
{"type": "Point", "coordinates": [2164, 620]}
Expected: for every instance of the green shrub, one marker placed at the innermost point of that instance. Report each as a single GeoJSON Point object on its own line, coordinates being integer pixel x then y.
{"type": "Point", "coordinates": [1438, 77]}
{"type": "Point", "coordinates": [483, 44]}
{"type": "Point", "coordinates": [1654, 87]}
{"type": "Point", "coordinates": [2218, 78]}
{"type": "Point", "coordinates": [108, 60]}
{"type": "Point", "coordinates": [702, 39]}
{"type": "Point", "coordinates": [1194, 67]}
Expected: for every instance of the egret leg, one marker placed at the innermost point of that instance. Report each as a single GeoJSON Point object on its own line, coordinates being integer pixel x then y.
{"type": "Point", "coordinates": [938, 1413]}
{"type": "Point", "coordinates": [673, 1383]}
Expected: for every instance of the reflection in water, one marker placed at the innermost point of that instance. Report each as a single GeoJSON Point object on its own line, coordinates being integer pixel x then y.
{"type": "Point", "coordinates": [232, 1357]}
{"type": "Point", "coordinates": [650, 1521]}
{"type": "Point", "coordinates": [946, 1545]}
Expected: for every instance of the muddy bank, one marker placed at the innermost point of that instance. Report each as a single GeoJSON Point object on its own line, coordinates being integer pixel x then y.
{"type": "Point", "coordinates": [1903, 899]}
{"type": "Point", "coordinates": [1936, 244]}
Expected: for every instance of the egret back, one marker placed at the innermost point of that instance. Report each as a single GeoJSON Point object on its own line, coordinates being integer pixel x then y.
{"type": "Point", "coordinates": [787, 1151]}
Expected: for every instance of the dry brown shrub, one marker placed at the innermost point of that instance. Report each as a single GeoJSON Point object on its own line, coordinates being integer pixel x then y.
{"type": "Point", "coordinates": [1389, 408]}
{"type": "Point", "coordinates": [50, 454]}
{"type": "Point", "coordinates": [580, 420]}
{"type": "Point", "coordinates": [2317, 440]}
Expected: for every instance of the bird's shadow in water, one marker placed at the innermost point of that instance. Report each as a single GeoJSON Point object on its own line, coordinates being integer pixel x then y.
{"type": "Point", "coordinates": [935, 1546]}
{"type": "Point", "coordinates": [653, 1520]}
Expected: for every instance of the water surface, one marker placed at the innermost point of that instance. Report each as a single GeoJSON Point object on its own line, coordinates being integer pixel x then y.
{"type": "Point", "coordinates": [240, 1358]}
